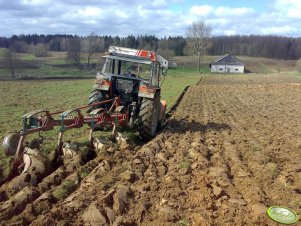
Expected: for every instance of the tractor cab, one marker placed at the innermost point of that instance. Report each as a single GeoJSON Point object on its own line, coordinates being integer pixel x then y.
{"type": "Point", "coordinates": [129, 74]}
{"type": "Point", "coordinates": [133, 76]}
{"type": "Point", "coordinates": [143, 70]}
{"type": "Point", "coordinates": [143, 65]}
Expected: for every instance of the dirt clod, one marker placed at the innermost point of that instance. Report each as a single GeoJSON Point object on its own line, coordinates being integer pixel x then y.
{"type": "Point", "coordinates": [120, 199]}
{"type": "Point", "coordinates": [92, 216]}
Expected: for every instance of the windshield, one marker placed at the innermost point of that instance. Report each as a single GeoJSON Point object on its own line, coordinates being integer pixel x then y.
{"type": "Point", "coordinates": [127, 68]}
{"type": "Point", "coordinates": [135, 69]}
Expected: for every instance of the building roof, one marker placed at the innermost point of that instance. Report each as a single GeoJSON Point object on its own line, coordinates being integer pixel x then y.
{"type": "Point", "coordinates": [228, 59]}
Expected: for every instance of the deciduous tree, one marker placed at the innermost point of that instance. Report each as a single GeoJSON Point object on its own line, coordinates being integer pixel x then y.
{"type": "Point", "coordinates": [167, 53]}
{"type": "Point", "coordinates": [39, 50]}
{"type": "Point", "coordinates": [10, 59]}
{"type": "Point", "coordinates": [91, 44]}
{"type": "Point", "coordinates": [198, 39]}
{"type": "Point", "coordinates": [74, 50]}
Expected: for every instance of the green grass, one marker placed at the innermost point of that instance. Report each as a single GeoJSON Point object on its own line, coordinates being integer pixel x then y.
{"type": "Point", "coordinates": [20, 97]}
{"type": "Point", "coordinates": [46, 67]}
{"type": "Point", "coordinates": [183, 222]}
{"type": "Point", "coordinates": [57, 61]}
{"type": "Point", "coordinates": [4, 73]}
{"type": "Point", "coordinates": [185, 165]}
{"type": "Point", "coordinates": [84, 173]}
{"type": "Point", "coordinates": [64, 190]}
{"type": "Point", "coordinates": [46, 70]}
{"type": "Point", "coordinates": [64, 61]}
{"type": "Point", "coordinates": [49, 71]}
{"type": "Point", "coordinates": [176, 81]}
{"type": "Point", "coordinates": [2, 50]}
{"type": "Point", "coordinates": [27, 56]}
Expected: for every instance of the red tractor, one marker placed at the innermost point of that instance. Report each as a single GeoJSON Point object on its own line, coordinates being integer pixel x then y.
{"type": "Point", "coordinates": [134, 76]}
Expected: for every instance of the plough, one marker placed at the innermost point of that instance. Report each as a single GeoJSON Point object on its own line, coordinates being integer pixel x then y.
{"type": "Point", "coordinates": [43, 120]}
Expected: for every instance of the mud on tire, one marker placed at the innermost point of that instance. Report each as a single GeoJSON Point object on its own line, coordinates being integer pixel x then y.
{"type": "Point", "coordinates": [148, 117]}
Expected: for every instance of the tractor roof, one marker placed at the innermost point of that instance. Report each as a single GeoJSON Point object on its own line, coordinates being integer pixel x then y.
{"type": "Point", "coordinates": [136, 55]}
{"type": "Point", "coordinates": [133, 53]}
{"type": "Point", "coordinates": [129, 59]}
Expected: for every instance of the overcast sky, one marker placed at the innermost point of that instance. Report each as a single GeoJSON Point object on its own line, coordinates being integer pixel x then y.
{"type": "Point", "coordinates": [157, 17]}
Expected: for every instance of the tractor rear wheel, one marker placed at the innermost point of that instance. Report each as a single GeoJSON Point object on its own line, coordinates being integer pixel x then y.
{"type": "Point", "coordinates": [97, 96]}
{"type": "Point", "coordinates": [148, 117]}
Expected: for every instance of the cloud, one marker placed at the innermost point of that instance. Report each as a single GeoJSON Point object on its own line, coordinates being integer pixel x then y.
{"type": "Point", "coordinates": [201, 10]}
{"type": "Point", "coordinates": [87, 12]}
{"type": "Point", "coordinates": [289, 8]}
{"type": "Point", "coordinates": [294, 13]}
{"type": "Point", "coordinates": [282, 18]}
{"type": "Point", "coordinates": [227, 11]}
{"type": "Point", "coordinates": [282, 30]}
{"type": "Point", "coordinates": [154, 17]}
{"type": "Point", "coordinates": [230, 32]}
{"type": "Point", "coordinates": [35, 2]}
{"type": "Point", "coordinates": [287, 4]}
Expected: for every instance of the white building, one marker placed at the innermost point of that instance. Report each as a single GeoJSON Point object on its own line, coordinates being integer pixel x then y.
{"type": "Point", "coordinates": [227, 64]}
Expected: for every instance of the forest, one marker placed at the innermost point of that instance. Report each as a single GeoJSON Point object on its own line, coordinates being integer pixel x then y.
{"type": "Point", "coordinates": [269, 46]}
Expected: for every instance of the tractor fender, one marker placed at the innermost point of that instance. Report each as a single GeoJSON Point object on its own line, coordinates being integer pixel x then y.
{"type": "Point", "coordinates": [103, 85]}
{"type": "Point", "coordinates": [147, 92]}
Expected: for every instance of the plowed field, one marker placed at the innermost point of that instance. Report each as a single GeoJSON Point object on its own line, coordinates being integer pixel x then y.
{"type": "Point", "coordinates": [231, 148]}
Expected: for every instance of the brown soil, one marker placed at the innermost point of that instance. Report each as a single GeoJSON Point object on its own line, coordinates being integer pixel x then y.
{"type": "Point", "coordinates": [231, 149]}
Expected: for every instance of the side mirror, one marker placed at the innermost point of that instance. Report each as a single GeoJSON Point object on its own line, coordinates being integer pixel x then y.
{"type": "Point", "coordinates": [164, 71]}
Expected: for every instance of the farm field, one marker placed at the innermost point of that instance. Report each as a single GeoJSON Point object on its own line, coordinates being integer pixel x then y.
{"type": "Point", "coordinates": [231, 149]}
{"type": "Point", "coordinates": [54, 65]}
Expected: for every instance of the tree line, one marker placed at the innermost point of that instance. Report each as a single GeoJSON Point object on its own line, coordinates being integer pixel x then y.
{"type": "Point", "coordinates": [254, 45]}
{"type": "Point", "coordinates": [276, 47]}
{"type": "Point", "coordinates": [33, 43]}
